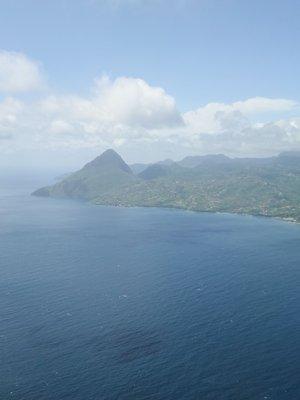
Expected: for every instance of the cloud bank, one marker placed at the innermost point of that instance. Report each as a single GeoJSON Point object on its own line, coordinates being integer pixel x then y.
{"type": "Point", "coordinates": [129, 113]}
{"type": "Point", "coordinates": [18, 73]}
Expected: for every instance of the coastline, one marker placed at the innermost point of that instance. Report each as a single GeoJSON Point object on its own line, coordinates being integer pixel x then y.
{"type": "Point", "coordinates": [289, 220]}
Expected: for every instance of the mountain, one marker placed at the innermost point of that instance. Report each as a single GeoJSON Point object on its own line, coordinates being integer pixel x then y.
{"type": "Point", "coordinates": [167, 162]}
{"type": "Point", "coordinates": [109, 161]}
{"type": "Point", "coordinates": [257, 186]}
{"type": "Point", "coordinates": [102, 175]}
{"type": "Point", "coordinates": [194, 161]}
{"type": "Point", "coordinates": [137, 168]}
{"type": "Point", "coordinates": [140, 167]}
{"type": "Point", "coordinates": [154, 171]}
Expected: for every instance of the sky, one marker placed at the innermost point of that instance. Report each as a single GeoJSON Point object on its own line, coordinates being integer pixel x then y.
{"type": "Point", "coordinates": [152, 79]}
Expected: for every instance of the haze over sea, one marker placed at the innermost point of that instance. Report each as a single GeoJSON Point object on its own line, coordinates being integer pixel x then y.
{"type": "Point", "coordinates": [103, 303]}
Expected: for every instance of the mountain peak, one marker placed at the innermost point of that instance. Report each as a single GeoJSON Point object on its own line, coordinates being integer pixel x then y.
{"type": "Point", "coordinates": [111, 159]}
{"type": "Point", "coordinates": [110, 153]}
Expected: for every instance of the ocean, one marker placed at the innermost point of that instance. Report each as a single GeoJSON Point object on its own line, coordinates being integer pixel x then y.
{"type": "Point", "coordinates": [104, 303]}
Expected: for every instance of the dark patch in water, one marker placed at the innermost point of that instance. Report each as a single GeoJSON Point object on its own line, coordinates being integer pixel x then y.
{"type": "Point", "coordinates": [134, 353]}
{"type": "Point", "coordinates": [126, 346]}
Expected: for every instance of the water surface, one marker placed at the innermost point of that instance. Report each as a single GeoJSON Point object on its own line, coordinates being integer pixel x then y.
{"type": "Point", "coordinates": [103, 303]}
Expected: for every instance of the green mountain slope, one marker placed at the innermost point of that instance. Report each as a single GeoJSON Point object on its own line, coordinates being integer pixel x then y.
{"type": "Point", "coordinates": [269, 186]}
{"type": "Point", "coordinates": [102, 175]}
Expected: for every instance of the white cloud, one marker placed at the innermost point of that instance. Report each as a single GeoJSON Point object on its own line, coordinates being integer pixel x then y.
{"type": "Point", "coordinates": [10, 111]}
{"type": "Point", "coordinates": [118, 112]}
{"type": "Point", "coordinates": [59, 126]}
{"type": "Point", "coordinates": [105, 119]}
{"type": "Point", "coordinates": [123, 102]}
{"type": "Point", "coordinates": [128, 113]}
{"type": "Point", "coordinates": [258, 105]}
{"type": "Point", "coordinates": [18, 73]}
{"type": "Point", "coordinates": [229, 128]}
{"type": "Point", "coordinates": [133, 102]}
{"type": "Point", "coordinates": [211, 117]}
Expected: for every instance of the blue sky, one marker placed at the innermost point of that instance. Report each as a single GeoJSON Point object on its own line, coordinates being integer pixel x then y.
{"type": "Point", "coordinates": [198, 52]}
{"type": "Point", "coordinates": [201, 51]}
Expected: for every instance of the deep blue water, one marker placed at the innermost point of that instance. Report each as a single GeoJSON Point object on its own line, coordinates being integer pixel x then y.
{"type": "Point", "coordinates": [101, 303]}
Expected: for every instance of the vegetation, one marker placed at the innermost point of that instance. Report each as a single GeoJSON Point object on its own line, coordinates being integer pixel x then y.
{"type": "Point", "coordinates": [268, 187]}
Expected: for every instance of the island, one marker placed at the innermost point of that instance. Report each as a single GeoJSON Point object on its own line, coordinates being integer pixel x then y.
{"type": "Point", "coordinates": [212, 183]}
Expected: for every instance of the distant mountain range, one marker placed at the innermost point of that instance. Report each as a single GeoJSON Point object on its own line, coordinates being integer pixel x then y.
{"type": "Point", "coordinates": [211, 183]}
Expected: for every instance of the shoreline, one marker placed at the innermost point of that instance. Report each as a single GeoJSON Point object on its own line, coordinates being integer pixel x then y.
{"type": "Point", "coordinates": [289, 220]}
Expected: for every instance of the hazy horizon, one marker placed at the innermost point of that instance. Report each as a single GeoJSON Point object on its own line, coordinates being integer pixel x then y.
{"type": "Point", "coordinates": [57, 170]}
